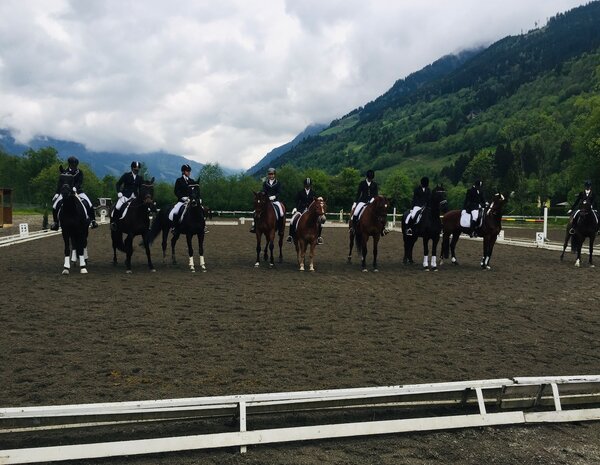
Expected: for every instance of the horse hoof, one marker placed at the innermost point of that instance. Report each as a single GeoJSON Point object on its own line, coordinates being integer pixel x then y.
{"type": "Point", "coordinates": [301, 270]}
{"type": "Point", "coordinates": [257, 264]}
{"type": "Point", "coordinates": [375, 270]}
{"type": "Point", "coordinates": [192, 270]}
{"type": "Point", "coordinates": [128, 271]}
{"type": "Point", "coordinates": [592, 266]}
{"type": "Point", "coordinates": [152, 270]}
{"type": "Point", "coordinates": [425, 268]}
{"type": "Point", "coordinates": [312, 268]}
{"type": "Point", "coordinates": [65, 271]}
{"type": "Point", "coordinates": [271, 265]}
{"type": "Point", "coordinates": [203, 269]}
{"type": "Point", "coordinates": [434, 268]}
{"type": "Point", "coordinates": [488, 267]}
{"type": "Point", "coordinates": [365, 270]}
{"type": "Point", "coordinates": [83, 271]}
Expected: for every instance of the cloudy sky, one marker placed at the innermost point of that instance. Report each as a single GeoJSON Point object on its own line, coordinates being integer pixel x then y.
{"type": "Point", "coordinates": [223, 81]}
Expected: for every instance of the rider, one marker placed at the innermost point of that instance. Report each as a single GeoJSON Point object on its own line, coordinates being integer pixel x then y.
{"type": "Point", "coordinates": [584, 196]}
{"type": "Point", "coordinates": [182, 192]}
{"type": "Point", "coordinates": [421, 196]}
{"type": "Point", "coordinates": [474, 202]}
{"type": "Point", "coordinates": [128, 188]}
{"type": "Point", "coordinates": [272, 188]}
{"type": "Point", "coordinates": [367, 191]}
{"type": "Point", "coordinates": [303, 200]}
{"type": "Point", "coordinates": [77, 186]}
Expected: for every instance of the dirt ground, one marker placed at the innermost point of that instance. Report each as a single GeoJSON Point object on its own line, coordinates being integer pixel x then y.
{"type": "Point", "coordinates": [108, 336]}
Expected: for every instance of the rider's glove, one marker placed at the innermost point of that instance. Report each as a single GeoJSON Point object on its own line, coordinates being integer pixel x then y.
{"type": "Point", "coordinates": [199, 200]}
{"type": "Point", "coordinates": [294, 211]}
{"type": "Point", "coordinates": [185, 199]}
{"type": "Point", "coordinates": [55, 197]}
{"type": "Point", "coordinates": [74, 189]}
{"type": "Point", "coordinates": [120, 194]}
{"type": "Point", "coordinates": [272, 198]}
{"type": "Point", "coordinates": [569, 212]}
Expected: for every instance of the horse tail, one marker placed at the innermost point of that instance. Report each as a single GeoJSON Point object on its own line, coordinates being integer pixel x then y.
{"type": "Point", "coordinates": [117, 240]}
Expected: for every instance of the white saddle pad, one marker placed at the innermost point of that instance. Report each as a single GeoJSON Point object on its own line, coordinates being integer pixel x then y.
{"type": "Point", "coordinates": [465, 219]}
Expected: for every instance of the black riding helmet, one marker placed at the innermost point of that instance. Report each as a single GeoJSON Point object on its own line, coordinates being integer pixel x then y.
{"type": "Point", "coordinates": [73, 162]}
{"type": "Point", "coordinates": [478, 183]}
{"type": "Point", "coordinates": [370, 174]}
{"type": "Point", "coordinates": [135, 165]}
{"type": "Point", "coordinates": [186, 167]}
{"type": "Point", "coordinates": [307, 182]}
{"type": "Point", "coordinates": [588, 184]}
{"type": "Point", "coordinates": [424, 181]}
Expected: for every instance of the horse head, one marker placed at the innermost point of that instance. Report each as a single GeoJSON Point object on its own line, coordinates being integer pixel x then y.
{"type": "Point", "coordinates": [438, 199]}
{"type": "Point", "coordinates": [320, 207]}
{"type": "Point", "coordinates": [194, 194]}
{"type": "Point", "coordinates": [147, 194]}
{"type": "Point", "coordinates": [66, 184]}
{"type": "Point", "coordinates": [497, 204]}
{"type": "Point", "coordinates": [380, 208]}
{"type": "Point", "coordinates": [261, 202]}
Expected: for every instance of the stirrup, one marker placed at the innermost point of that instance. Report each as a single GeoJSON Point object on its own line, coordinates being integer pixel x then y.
{"type": "Point", "coordinates": [54, 227]}
{"type": "Point", "coordinates": [319, 240]}
{"type": "Point", "coordinates": [289, 239]}
{"type": "Point", "coordinates": [572, 231]}
{"type": "Point", "coordinates": [93, 224]}
{"type": "Point", "coordinates": [252, 229]}
{"type": "Point", "coordinates": [409, 232]}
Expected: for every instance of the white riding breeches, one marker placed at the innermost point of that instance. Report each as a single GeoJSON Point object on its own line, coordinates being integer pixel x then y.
{"type": "Point", "coordinates": [475, 215]}
{"type": "Point", "coordinates": [175, 210]}
{"type": "Point", "coordinates": [122, 200]}
{"type": "Point", "coordinates": [413, 213]}
{"type": "Point", "coordinates": [58, 198]}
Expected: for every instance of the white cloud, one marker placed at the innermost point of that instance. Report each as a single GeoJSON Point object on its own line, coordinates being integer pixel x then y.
{"type": "Point", "coordinates": [223, 81]}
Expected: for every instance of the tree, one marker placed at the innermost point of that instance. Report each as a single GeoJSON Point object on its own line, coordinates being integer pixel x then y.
{"type": "Point", "coordinates": [343, 189]}
{"type": "Point", "coordinates": [397, 187]}
{"type": "Point", "coordinates": [482, 168]}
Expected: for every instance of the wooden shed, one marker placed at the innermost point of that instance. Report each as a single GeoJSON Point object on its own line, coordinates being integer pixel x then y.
{"type": "Point", "coordinates": [6, 214]}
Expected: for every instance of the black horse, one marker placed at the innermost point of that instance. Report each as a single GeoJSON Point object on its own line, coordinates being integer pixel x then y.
{"type": "Point", "coordinates": [74, 225]}
{"type": "Point", "coordinates": [192, 224]}
{"type": "Point", "coordinates": [136, 222]}
{"type": "Point", "coordinates": [585, 227]}
{"type": "Point", "coordinates": [429, 228]}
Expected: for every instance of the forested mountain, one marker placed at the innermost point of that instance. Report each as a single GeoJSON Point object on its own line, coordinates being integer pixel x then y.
{"type": "Point", "coordinates": [522, 114]}
{"type": "Point", "coordinates": [260, 167]}
{"type": "Point", "coordinates": [162, 165]}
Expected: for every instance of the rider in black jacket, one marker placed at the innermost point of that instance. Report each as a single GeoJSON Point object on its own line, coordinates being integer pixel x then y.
{"type": "Point", "coordinates": [587, 195]}
{"type": "Point", "coordinates": [421, 197]}
{"type": "Point", "coordinates": [304, 198]}
{"type": "Point", "coordinates": [128, 188]}
{"type": "Point", "coordinates": [474, 202]}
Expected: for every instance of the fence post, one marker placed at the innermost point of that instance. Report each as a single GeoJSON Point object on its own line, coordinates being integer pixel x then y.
{"type": "Point", "coordinates": [394, 218]}
{"type": "Point", "coordinates": [242, 407]}
{"type": "Point", "coordinates": [545, 224]}
{"type": "Point", "coordinates": [342, 215]}
{"type": "Point", "coordinates": [24, 230]}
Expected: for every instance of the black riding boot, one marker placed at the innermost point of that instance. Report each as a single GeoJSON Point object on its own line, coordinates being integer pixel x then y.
{"type": "Point", "coordinates": [290, 237]}
{"type": "Point", "coordinates": [92, 214]}
{"type": "Point", "coordinates": [54, 225]}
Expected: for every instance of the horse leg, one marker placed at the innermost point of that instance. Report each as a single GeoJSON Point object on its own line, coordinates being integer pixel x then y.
{"type": "Point", "coordinates": [165, 236]}
{"type": "Point", "coordinates": [313, 244]}
{"type": "Point", "coordinates": [201, 250]}
{"type": "Point", "coordinates": [567, 239]}
{"type": "Point", "coordinates": [455, 237]}
{"type": "Point", "coordinates": [148, 252]}
{"type": "Point", "coordinates": [300, 251]}
{"type": "Point", "coordinates": [128, 252]}
{"type": "Point", "coordinates": [351, 234]}
{"type": "Point", "coordinates": [591, 239]}
{"type": "Point", "coordinates": [174, 240]}
{"type": "Point", "coordinates": [188, 238]}
{"type": "Point", "coordinates": [434, 243]}
{"type": "Point", "coordinates": [578, 244]}
{"type": "Point", "coordinates": [258, 249]}
{"type": "Point", "coordinates": [425, 253]}
{"type": "Point", "coordinates": [67, 262]}
{"type": "Point", "coordinates": [281, 234]}
{"type": "Point", "coordinates": [271, 244]}
{"type": "Point", "coordinates": [375, 248]}
{"type": "Point", "coordinates": [79, 247]}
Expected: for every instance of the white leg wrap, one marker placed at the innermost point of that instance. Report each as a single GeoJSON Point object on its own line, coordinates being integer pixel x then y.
{"type": "Point", "coordinates": [82, 262]}
{"type": "Point", "coordinates": [67, 264]}
{"type": "Point", "coordinates": [202, 260]}
{"type": "Point", "coordinates": [191, 263]}
{"type": "Point", "coordinates": [73, 256]}
{"type": "Point", "coordinates": [425, 261]}
{"type": "Point", "coordinates": [85, 253]}
{"type": "Point", "coordinates": [433, 261]}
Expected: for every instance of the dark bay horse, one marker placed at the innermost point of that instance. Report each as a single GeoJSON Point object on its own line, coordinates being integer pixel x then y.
{"type": "Point", "coordinates": [429, 228]}
{"type": "Point", "coordinates": [267, 224]}
{"type": "Point", "coordinates": [370, 224]}
{"type": "Point", "coordinates": [585, 228]}
{"type": "Point", "coordinates": [136, 222]}
{"type": "Point", "coordinates": [192, 224]}
{"type": "Point", "coordinates": [307, 231]}
{"type": "Point", "coordinates": [491, 225]}
{"type": "Point", "coordinates": [74, 225]}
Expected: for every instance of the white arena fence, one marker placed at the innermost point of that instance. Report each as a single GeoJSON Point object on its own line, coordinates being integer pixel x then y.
{"type": "Point", "coordinates": [418, 407]}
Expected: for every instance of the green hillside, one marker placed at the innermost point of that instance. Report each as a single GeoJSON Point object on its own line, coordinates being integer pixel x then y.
{"type": "Point", "coordinates": [522, 114]}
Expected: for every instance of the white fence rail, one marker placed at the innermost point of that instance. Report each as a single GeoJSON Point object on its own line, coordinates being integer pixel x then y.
{"type": "Point", "coordinates": [472, 404]}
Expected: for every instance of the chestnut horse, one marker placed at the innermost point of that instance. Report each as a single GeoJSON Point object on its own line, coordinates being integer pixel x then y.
{"type": "Point", "coordinates": [491, 225]}
{"type": "Point", "coordinates": [371, 223]}
{"type": "Point", "coordinates": [307, 231]}
{"type": "Point", "coordinates": [267, 224]}
{"type": "Point", "coordinates": [586, 227]}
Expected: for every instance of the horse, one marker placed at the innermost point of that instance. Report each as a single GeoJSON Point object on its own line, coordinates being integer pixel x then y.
{"type": "Point", "coordinates": [491, 225]}
{"type": "Point", "coordinates": [74, 225]}
{"type": "Point", "coordinates": [307, 231]}
{"type": "Point", "coordinates": [586, 227]}
{"type": "Point", "coordinates": [370, 224]}
{"type": "Point", "coordinates": [429, 228]}
{"type": "Point", "coordinates": [136, 222]}
{"type": "Point", "coordinates": [192, 224]}
{"type": "Point", "coordinates": [267, 224]}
